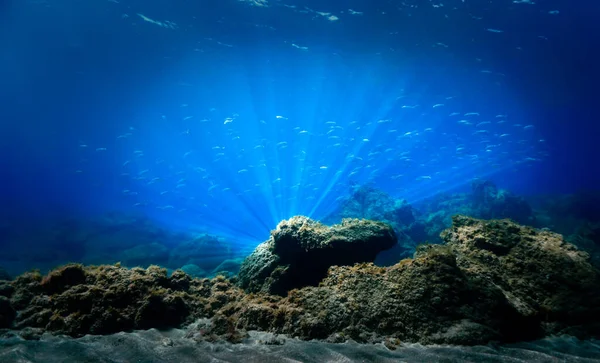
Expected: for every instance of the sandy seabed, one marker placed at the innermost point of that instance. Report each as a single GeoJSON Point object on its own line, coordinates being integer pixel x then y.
{"type": "Point", "coordinates": [172, 346]}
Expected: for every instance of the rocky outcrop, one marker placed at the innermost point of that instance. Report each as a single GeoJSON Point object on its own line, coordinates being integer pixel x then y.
{"type": "Point", "coordinates": [545, 279]}
{"type": "Point", "coordinates": [301, 250]}
{"type": "Point", "coordinates": [77, 300]}
{"type": "Point", "coordinates": [492, 281]}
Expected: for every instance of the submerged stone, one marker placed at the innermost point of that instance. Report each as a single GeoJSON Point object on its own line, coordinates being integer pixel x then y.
{"type": "Point", "coordinates": [300, 251]}
{"type": "Point", "coordinates": [492, 281]}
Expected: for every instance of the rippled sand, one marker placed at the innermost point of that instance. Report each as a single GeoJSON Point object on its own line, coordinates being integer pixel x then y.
{"type": "Point", "coordinates": [172, 346]}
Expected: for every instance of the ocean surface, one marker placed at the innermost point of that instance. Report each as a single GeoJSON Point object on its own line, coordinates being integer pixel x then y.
{"type": "Point", "coordinates": [131, 128]}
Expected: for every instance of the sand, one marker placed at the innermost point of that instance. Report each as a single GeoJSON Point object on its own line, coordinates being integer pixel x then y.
{"type": "Point", "coordinates": [171, 346]}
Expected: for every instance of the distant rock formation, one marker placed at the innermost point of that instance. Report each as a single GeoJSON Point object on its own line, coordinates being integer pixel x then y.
{"type": "Point", "coordinates": [301, 250]}
{"type": "Point", "coordinates": [490, 202]}
{"type": "Point", "coordinates": [492, 281]}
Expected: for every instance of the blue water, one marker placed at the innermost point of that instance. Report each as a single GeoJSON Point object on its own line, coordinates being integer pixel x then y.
{"type": "Point", "coordinates": [228, 116]}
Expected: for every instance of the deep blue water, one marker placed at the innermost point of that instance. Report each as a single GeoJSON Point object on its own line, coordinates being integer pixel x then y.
{"type": "Point", "coordinates": [228, 116]}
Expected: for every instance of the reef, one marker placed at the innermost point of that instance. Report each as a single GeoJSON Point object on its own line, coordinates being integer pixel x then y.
{"type": "Point", "coordinates": [492, 280]}
{"type": "Point", "coordinates": [301, 250]}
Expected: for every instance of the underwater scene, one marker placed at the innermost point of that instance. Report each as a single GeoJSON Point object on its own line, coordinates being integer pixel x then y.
{"type": "Point", "coordinates": [299, 181]}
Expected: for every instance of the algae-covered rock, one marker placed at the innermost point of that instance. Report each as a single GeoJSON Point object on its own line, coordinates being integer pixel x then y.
{"type": "Point", "coordinates": [301, 250]}
{"type": "Point", "coordinates": [540, 275]}
{"type": "Point", "coordinates": [492, 281]}
{"type": "Point", "coordinates": [77, 300]}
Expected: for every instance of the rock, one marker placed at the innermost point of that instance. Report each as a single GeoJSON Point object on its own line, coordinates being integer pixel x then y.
{"type": "Point", "coordinates": [63, 278]}
{"type": "Point", "coordinates": [541, 276]}
{"type": "Point", "coordinates": [145, 255]}
{"type": "Point", "coordinates": [301, 250]}
{"type": "Point", "coordinates": [493, 281]}
{"type": "Point", "coordinates": [76, 300]}
{"type": "Point", "coordinates": [218, 329]}
{"type": "Point", "coordinates": [6, 288]}
{"type": "Point", "coordinates": [374, 204]}
{"type": "Point", "coordinates": [7, 313]}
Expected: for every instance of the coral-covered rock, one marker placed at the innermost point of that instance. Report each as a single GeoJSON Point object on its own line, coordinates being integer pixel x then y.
{"type": "Point", "coordinates": [301, 250]}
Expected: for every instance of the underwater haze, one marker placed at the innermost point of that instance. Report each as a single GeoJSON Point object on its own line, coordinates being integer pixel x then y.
{"type": "Point", "coordinates": [226, 117]}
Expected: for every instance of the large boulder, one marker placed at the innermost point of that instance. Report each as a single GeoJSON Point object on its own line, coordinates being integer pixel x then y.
{"type": "Point", "coordinates": [301, 250]}
{"type": "Point", "coordinates": [366, 202]}
{"type": "Point", "coordinates": [492, 281]}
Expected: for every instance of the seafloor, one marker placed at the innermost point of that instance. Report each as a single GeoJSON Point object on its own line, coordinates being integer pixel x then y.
{"type": "Point", "coordinates": [494, 284]}
{"type": "Point", "coordinates": [153, 346]}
